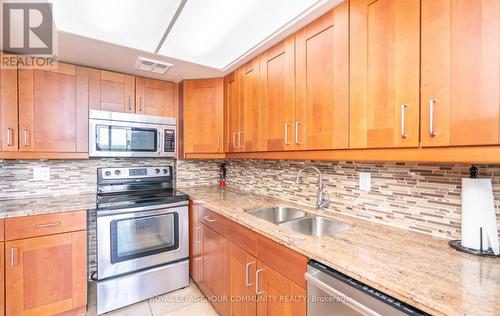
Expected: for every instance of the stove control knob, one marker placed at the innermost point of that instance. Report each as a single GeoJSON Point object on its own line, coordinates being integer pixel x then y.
{"type": "Point", "coordinates": [165, 171]}
{"type": "Point", "coordinates": [117, 172]}
{"type": "Point", "coordinates": [107, 173]}
{"type": "Point", "coordinates": [157, 170]}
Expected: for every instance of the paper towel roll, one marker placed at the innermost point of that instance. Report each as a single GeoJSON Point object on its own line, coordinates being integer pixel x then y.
{"type": "Point", "coordinates": [478, 211]}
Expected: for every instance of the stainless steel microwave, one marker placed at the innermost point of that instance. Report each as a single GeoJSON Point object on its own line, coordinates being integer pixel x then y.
{"type": "Point", "coordinates": [113, 134]}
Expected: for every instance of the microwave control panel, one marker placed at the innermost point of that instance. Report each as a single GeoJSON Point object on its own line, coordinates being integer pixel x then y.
{"type": "Point", "coordinates": [169, 140]}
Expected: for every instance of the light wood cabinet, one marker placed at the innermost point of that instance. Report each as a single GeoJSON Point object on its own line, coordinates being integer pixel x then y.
{"type": "Point", "coordinates": [195, 245]}
{"type": "Point", "coordinates": [384, 66]}
{"type": "Point", "coordinates": [322, 82]}
{"type": "Point", "coordinates": [460, 102]}
{"type": "Point", "coordinates": [234, 111]}
{"type": "Point", "coordinates": [8, 109]}
{"type": "Point", "coordinates": [53, 109]}
{"type": "Point", "coordinates": [154, 97]}
{"type": "Point", "coordinates": [203, 102]}
{"type": "Point", "coordinates": [113, 92]}
{"type": "Point", "coordinates": [254, 108]}
{"type": "Point", "coordinates": [46, 275]}
{"type": "Point", "coordinates": [242, 267]}
{"type": "Point", "coordinates": [278, 83]}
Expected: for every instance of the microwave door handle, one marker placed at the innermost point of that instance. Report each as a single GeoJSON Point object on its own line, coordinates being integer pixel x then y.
{"type": "Point", "coordinates": [159, 141]}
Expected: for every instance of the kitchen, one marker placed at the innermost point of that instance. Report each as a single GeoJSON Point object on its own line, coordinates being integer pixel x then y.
{"type": "Point", "coordinates": [306, 157]}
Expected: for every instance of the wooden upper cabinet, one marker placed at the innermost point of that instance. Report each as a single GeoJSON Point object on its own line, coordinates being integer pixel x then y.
{"type": "Point", "coordinates": [460, 72]}
{"type": "Point", "coordinates": [203, 115]}
{"type": "Point", "coordinates": [115, 92]}
{"type": "Point", "coordinates": [8, 109]}
{"type": "Point", "coordinates": [384, 66]}
{"type": "Point", "coordinates": [53, 109]}
{"type": "Point", "coordinates": [278, 83]}
{"type": "Point", "coordinates": [154, 97]}
{"type": "Point", "coordinates": [233, 111]}
{"type": "Point", "coordinates": [254, 115]}
{"type": "Point", "coordinates": [46, 275]}
{"type": "Point", "coordinates": [322, 82]}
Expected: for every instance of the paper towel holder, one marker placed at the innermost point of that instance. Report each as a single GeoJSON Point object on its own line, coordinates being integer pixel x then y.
{"type": "Point", "coordinates": [457, 245]}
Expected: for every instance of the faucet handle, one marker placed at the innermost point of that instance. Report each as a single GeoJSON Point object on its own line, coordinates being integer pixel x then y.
{"type": "Point", "coordinates": [325, 199]}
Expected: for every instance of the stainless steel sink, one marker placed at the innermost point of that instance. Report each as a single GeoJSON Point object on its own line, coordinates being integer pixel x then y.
{"type": "Point", "coordinates": [277, 214]}
{"type": "Point", "coordinates": [316, 226]}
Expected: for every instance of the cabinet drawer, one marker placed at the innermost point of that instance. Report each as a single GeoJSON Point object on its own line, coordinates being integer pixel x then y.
{"type": "Point", "coordinates": [242, 236]}
{"type": "Point", "coordinates": [212, 219]}
{"type": "Point", "coordinates": [41, 225]}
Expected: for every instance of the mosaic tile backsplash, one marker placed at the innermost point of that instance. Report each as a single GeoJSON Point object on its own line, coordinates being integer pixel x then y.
{"type": "Point", "coordinates": [417, 196]}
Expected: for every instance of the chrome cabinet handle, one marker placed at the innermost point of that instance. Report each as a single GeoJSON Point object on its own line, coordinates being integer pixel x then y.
{"type": "Point", "coordinates": [48, 225]}
{"type": "Point", "coordinates": [257, 273]}
{"type": "Point", "coordinates": [129, 102]}
{"type": "Point", "coordinates": [362, 309]}
{"type": "Point", "coordinates": [239, 139]}
{"type": "Point", "coordinates": [12, 262]}
{"type": "Point", "coordinates": [247, 283]}
{"type": "Point", "coordinates": [297, 124]}
{"type": "Point", "coordinates": [197, 233]}
{"type": "Point", "coordinates": [431, 117]}
{"type": "Point", "coordinates": [10, 141]}
{"type": "Point", "coordinates": [286, 134]}
{"type": "Point", "coordinates": [208, 219]}
{"type": "Point", "coordinates": [403, 111]}
{"type": "Point", "coordinates": [235, 136]}
{"type": "Point", "coordinates": [25, 137]}
{"type": "Point", "coordinates": [140, 104]}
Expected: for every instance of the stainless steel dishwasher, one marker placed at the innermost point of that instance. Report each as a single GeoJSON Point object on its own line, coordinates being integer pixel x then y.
{"type": "Point", "coordinates": [335, 294]}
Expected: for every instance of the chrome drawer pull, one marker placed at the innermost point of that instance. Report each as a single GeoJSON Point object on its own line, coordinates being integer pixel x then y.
{"type": "Point", "coordinates": [431, 117]}
{"type": "Point", "coordinates": [48, 225]}
{"type": "Point", "coordinates": [297, 125]}
{"type": "Point", "coordinates": [286, 134]}
{"type": "Point", "coordinates": [10, 141]}
{"type": "Point", "coordinates": [403, 129]}
{"type": "Point", "coordinates": [208, 219]}
{"type": "Point", "coordinates": [25, 137]}
{"type": "Point", "coordinates": [247, 277]}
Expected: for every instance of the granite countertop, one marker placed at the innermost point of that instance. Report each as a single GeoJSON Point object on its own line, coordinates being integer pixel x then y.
{"type": "Point", "coordinates": [17, 207]}
{"type": "Point", "coordinates": [418, 269]}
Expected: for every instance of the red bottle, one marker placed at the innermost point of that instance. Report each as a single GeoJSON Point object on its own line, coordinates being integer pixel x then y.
{"type": "Point", "coordinates": [222, 176]}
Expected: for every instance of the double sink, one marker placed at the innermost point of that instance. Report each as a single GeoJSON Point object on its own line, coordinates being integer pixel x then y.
{"type": "Point", "coordinates": [300, 221]}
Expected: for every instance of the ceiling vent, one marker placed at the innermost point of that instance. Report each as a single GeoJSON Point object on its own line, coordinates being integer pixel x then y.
{"type": "Point", "coordinates": [152, 65]}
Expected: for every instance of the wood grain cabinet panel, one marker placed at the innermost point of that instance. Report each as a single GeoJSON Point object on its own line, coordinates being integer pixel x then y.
{"type": "Point", "coordinates": [254, 114]}
{"type": "Point", "coordinates": [53, 106]}
{"type": "Point", "coordinates": [234, 111]}
{"type": "Point", "coordinates": [116, 92]}
{"type": "Point", "coordinates": [278, 82]}
{"type": "Point", "coordinates": [460, 72]}
{"type": "Point", "coordinates": [2, 278]}
{"type": "Point", "coordinates": [154, 97]}
{"type": "Point", "coordinates": [8, 109]}
{"type": "Point", "coordinates": [46, 275]}
{"type": "Point", "coordinates": [384, 66]}
{"type": "Point", "coordinates": [322, 82]}
{"type": "Point", "coordinates": [242, 267]}
{"type": "Point", "coordinates": [203, 115]}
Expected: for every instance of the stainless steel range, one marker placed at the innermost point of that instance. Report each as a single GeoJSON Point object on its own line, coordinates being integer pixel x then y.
{"type": "Point", "coordinates": [142, 235]}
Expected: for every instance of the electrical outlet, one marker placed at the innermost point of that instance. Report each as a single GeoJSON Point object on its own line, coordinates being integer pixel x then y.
{"type": "Point", "coordinates": [365, 181]}
{"type": "Point", "coordinates": [41, 173]}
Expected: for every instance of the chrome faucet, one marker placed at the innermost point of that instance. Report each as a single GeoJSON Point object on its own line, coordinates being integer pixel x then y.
{"type": "Point", "coordinates": [322, 199]}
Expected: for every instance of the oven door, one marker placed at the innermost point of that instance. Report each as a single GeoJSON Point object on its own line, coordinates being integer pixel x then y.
{"type": "Point", "coordinates": [125, 139]}
{"type": "Point", "coordinates": [137, 240]}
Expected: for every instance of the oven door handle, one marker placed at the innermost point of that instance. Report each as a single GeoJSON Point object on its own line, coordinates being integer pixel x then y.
{"type": "Point", "coordinates": [364, 310]}
{"type": "Point", "coordinates": [144, 210]}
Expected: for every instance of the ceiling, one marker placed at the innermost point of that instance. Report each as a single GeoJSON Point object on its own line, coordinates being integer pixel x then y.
{"type": "Point", "coordinates": [201, 38]}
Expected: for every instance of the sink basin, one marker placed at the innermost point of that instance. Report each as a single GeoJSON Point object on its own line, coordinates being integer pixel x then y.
{"type": "Point", "coordinates": [316, 226]}
{"type": "Point", "coordinates": [277, 214]}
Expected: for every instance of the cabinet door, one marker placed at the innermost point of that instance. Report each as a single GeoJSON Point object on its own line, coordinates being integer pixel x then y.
{"type": "Point", "coordinates": [2, 278]}
{"type": "Point", "coordinates": [154, 97]}
{"type": "Point", "coordinates": [203, 115]}
{"type": "Point", "coordinates": [117, 92]}
{"type": "Point", "coordinates": [322, 68]}
{"type": "Point", "coordinates": [233, 94]}
{"type": "Point", "coordinates": [8, 109]}
{"type": "Point", "coordinates": [53, 109]}
{"type": "Point", "coordinates": [460, 72]}
{"type": "Point", "coordinates": [254, 111]}
{"type": "Point", "coordinates": [196, 245]}
{"type": "Point", "coordinates": [278, 76]}
{"type": "Point", "coordinates": [384, 55]}
{"type": "Point", "coordinates": [278, 296]}
{"type": "Point", "coordinates": [214, 267]}
{"type": "Point", "coordinates": [46, 275]}
{"type": "Point", "coordinates": [242, 284]}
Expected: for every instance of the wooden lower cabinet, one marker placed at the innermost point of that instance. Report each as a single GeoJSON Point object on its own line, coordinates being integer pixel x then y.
{"type": "Point", "coordinates": [46, 275]}
{"type": "Point", "coordinates": [2, 278]}
{"type": "Point", "coordinates": [277, 295]}
{"type": "Point", "coordinates": [242, 272]}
